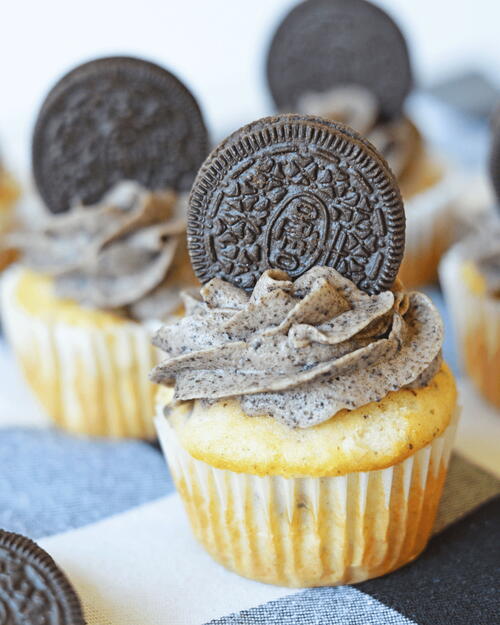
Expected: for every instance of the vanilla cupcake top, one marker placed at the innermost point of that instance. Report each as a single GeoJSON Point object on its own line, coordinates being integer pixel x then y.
{"type": "Point", "coordinates": [296, 227]}
{"type": "Point", "coordinates": [116, 254]}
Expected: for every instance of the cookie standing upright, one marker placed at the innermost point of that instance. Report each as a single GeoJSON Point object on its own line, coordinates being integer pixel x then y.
{"type": "Point", "coordinates": [116, 146]}
{"type": "Point", "coordinates": [113, 119]}
{"type": "Point", "coordinates": [9, 194]}
{"type": "Point", "coordinates": [348, 61]}
{"type": "Point", "coordinates": [470, 277]}
{"type": "Point", "coordinates": [291, 192]}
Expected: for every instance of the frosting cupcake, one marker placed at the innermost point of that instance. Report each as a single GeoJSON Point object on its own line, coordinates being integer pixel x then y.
{"type": "Point", "coordinates": [306, 415]}
{"type": "Point", "coordinates": [9, 193]}
{"type": "Point", "coordinates": [470, 277]}
{"type": "Point", "coordinates": [115, 147]}
{"type": "Point", "coordinates": [342, 74]}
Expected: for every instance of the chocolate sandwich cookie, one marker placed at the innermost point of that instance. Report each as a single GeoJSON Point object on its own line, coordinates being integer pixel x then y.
{"type": "Point", "coordinates": [33, 590]}
{"type": "Point", "coordinates": [322, 44]}
{"type": "Point", "coordinates": [290, 192]}
{"type": "Point", "coordinates": [115, 119]}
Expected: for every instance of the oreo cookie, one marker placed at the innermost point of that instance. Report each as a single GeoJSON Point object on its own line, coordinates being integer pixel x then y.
{"type": "Point", "coordinates": [294, 191]}
{"type": "Point", "coordinates": [114, 119]}
{"type": "Point", "coordinates": [33, 589]}
{"type": "Point", "coordinates": [323, 44]}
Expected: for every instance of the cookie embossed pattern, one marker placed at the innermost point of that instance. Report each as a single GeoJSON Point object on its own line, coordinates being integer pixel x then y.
{"type": "Point", "coordinates": [304, 417]}
{"type": "Point", "coordinates": [32, 588]}
{"type": "Point", "coordinates": [290, 192]}
{"type": "Point", "coordinates": [325, 43]}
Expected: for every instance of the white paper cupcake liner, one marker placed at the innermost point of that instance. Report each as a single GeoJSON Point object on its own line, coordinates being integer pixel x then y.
{"type": "Point", "coordinates": [89, 379]}
{"type": "Point", "coordinates": [476, 325]}
{"type": "Point", "coordinates": [311, 531]}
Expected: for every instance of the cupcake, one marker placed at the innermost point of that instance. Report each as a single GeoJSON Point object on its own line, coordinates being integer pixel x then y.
{"type": "Point", "coordinates": [116, 145]}
{"type": "Point", "coordinates": [470, 277]}
{"type": "Point", "coordinates": [326, 59]}
{"type": "Point", "coordinates": [305, 411]}
{"type": "Point", "coordinates": [9, 193]}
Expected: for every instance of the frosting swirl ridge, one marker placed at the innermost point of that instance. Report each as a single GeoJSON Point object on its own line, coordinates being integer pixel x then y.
{"type": "Point", "coordinates": [115, 254]}
{"type": "Point", "coordinates": [300, 350]}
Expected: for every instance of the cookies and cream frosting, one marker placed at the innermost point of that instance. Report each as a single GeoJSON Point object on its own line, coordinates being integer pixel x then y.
{"type": "Point", "coordinates": [116, 254]}
{"type": "Point", "coordinates": [299, 350]}
{"type": "Point", "coordinates": [353, 105]}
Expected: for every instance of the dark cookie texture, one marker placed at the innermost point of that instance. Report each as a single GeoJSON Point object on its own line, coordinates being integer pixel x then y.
{"type": "Point", "coordinates": [114, 119]}
{"type": "Point", "coordinates": [33, 590]}
{"type": "Point", "coordinates": [290, 192]}
{"type": "Point", "coordinates": [322, 44]}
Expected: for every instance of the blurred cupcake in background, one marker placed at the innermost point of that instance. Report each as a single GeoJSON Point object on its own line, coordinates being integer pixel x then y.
{"type": "Point", "coordinates": [116, 146]}
{"type": "Point", "coordinates": [477, 206]}
{"type": "Point", "coordinates": [348, 61]}
{"type": "Point", "coordinates": [9, 193]}
{"type": "Point", "coordinates": [470, 277]}
{"type": "Point", "coordinates": [306, 415]}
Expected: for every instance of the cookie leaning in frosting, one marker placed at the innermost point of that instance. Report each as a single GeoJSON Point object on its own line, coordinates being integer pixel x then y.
{"type": "Point", "coordinates": [116, 144]}
{"type": "Point", "coordinates": [326, 58]}
{"type": "Point", "coordinates": [306, 415]}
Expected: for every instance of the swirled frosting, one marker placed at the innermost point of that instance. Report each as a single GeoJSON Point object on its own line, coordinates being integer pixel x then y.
{"type": "Point", "coordinates": [397, 140]}
{"type": "Point", "coordinates": [117, 254]}
{"type": "Point", "coordinates": [300, 350]}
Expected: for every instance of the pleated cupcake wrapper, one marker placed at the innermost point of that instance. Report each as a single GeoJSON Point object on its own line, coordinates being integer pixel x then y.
{"type": "Point", "coordinates": [476, 325]}
{"type": "Point", "coordinates": [430, 230]}
{"type": "Point", "coordinates": [89, 379]}
{"type": "Point", "coordinates": [311, 531]}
